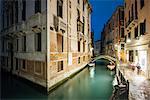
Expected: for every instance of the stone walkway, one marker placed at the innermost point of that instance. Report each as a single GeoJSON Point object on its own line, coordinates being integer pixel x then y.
{"type": "Point", "coordinates": [139, 86]}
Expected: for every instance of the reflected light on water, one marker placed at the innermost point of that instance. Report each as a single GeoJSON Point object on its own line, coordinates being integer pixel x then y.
{"type": "Point", "coordinates": [92, 72]}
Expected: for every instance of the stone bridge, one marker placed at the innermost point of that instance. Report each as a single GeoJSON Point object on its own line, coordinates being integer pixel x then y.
{"type": "Point", "coordinates": [109, 58]}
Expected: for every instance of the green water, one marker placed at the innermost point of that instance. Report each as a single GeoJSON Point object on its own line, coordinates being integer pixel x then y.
{"type": "Point", "coordinates": [90, 84]}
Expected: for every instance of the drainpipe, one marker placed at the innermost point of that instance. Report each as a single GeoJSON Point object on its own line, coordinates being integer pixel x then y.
{"type": "Point", "coordinates": [48, 45]}
{"type": "Point", "coordinates": [67, 37]}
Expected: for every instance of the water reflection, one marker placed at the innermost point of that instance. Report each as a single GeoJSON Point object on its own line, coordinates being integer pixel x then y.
{"type": "Point", "coordinates": [91, 83]}
{"type": "Point", "coordinates": [92, 72]}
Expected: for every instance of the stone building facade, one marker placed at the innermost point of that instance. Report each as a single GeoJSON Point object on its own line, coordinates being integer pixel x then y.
{"type": "Point", "coordinates": [45, 41]}
{"type": "Point", "coordinates": [97, 47]}
{"type": "Point", "coordinates": [113, 34]}
{"type": "Point", "coordinates": [137, 31]}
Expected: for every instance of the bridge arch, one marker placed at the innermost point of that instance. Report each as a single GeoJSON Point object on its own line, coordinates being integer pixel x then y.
{"type": "Point", "coordinates": [109, 58]}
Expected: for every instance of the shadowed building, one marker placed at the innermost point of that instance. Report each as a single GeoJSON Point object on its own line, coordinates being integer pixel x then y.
{"type": "Point", "coordinates": [113, 34]}
{"type": "Point", "coordinates": [45, 41]}
{"type": "Point", "coordinates": [97, 47]}
{"type": "Point", "coordinates": [137, 31]}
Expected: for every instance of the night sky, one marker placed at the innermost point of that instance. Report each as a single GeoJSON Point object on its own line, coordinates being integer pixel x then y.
{"type": "Point", "coordinates": [102, 11]}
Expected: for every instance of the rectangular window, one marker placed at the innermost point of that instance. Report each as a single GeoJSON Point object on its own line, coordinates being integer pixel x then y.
{"type": "Point", "coordinates": [83, 6]}
{"type": "Point", "coordinates": [83, 58]}
{"type": "Point", "coordinates": [16, 11]}
{"type": "Point", "coordinates": [79, 60]}
{"type": "Point", "coordinates": [7, 20]}
{"type": "Point", "coordinates": [38, 67]}
{"type": "Point", "coordinates": [24, 10]}
{"type": "Point", "coordinates": [122, 15]}
{"type": "Point", "coordinates": [78, 46]}
{"type": "Point", "coordinates": [132, 13]}
{"type": "Point", "coordinates": [78, 1]}
{"type": "Point", "coordinates": [3, 45]}
{"type": "Point", "coordinates": [136, 10]}
{"type": "Point", "coordinates": [7, 62]}
{"type": "Point", "coordinates": [122, 32]}
{"type": "Point", "coordinates": [60, 66]}
{"type": "Point", "coordinates": [16, 63]}
{"type": "Point", "coordinates": [83, 25]}
{"type": "Point", "coordinates": [141, 4]}
{"type": "Point", "coordinates": [60, 42]}
{"type": "Point", "coordinates": [136, 52]}
{"type": "Point", "coordinates": [131, 55]}
{"type": "Point", "coordinates": [17, 44]}
{"type": "Point", "coordinates": [129, 17]}
{"type": "Point", "coordinates": [83, 46]}
{"type": "Point", "coordinates": [12, 15]}
{"type": "Point", "coordinates": [24, 43]}
{"type": "Point", "coordinates": [122, 46]}
{"type": "Point", "coordinates": [143, 28]}
{"type": "Point", "coordinates": [38, 41]}
{"type": "Point", "coordinates": [37, 6]}
{"type": "Point", "coordinates": [129, 35]}
{"type": "Point", "coordinates": [69, 4]}
{"type": "Point", "coordinates": [136, 32]}
{"type": "Point", "coordinates": [60, 8]}
{"type": "Point", "coordinates": [23, 64]}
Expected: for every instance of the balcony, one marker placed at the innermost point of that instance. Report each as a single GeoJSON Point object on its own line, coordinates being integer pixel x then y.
{"type": "Point", "coordinates": [35, 21]}
{"type": "Point", "coordinates": [20, 28]}
{"type": "Point", "coordinates": [59, 24]}
{"type": "Point", "coordinates": [80, 30]}
{"type": "Point", "coordinates": [122, 39]}
{"type": "Point", "coordinates": [9, 32]}
{"type": "Point", "coordinates": [131, 23]}
{"type": "Point", "coordinates": [80, 36]}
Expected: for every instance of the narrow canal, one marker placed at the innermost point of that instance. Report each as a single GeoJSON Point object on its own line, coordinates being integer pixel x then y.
{"type": "Point", "coordinates": [90, 84]}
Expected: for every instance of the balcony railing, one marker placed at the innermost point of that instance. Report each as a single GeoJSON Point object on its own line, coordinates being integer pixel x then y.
{"type": "Point", "coordinates": [59, 23]}
{"type": "Point", "coordinates": [79, 26]}
{"type": "Point", "coordinates": [131, 23]}
{"type": "Point", "coordinates": [35, 20]}
{"type": "Point", "coordinates": [80, 36]}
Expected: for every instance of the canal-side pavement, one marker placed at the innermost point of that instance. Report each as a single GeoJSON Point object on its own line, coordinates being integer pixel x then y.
{"type": "Point", "coordinates": [139, 86]}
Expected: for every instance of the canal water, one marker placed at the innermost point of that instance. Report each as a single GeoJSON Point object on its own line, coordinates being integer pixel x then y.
{"type": "Point", "coordinates": [90, 84]}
